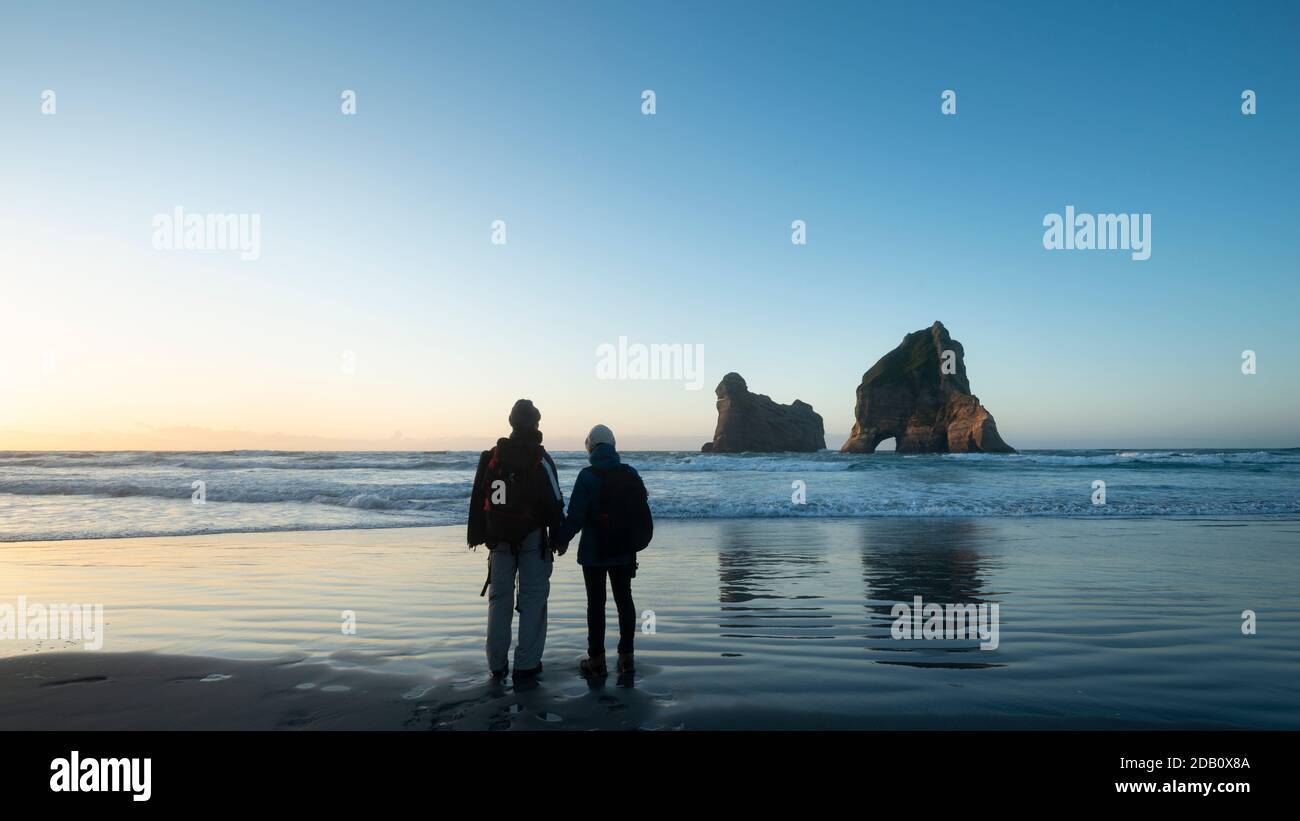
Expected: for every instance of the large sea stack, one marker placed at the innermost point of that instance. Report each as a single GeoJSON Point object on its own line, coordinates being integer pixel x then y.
{"type": "Point", "coordinates": [751, 422]}
{"type": "Point", "coordinates": [928, 408]}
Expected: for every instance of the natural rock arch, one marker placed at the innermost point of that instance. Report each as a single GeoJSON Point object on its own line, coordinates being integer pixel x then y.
{"type": "Point", "coordinates": [928, 408]}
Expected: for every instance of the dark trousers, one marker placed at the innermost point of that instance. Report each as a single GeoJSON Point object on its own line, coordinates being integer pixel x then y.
{"type": "Point", "coordinates": [620, 579]}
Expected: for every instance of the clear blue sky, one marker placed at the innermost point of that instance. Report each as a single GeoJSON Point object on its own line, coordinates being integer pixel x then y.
{"type": "Point", "coordinates": [665, 228]}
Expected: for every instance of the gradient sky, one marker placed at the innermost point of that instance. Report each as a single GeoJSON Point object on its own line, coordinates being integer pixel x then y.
{"type": "Point", "coordinates": [672, 228]}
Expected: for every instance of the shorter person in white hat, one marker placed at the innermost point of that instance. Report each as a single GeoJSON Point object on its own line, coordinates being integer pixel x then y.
{"type": "Point", "coordinates": [610, 507]}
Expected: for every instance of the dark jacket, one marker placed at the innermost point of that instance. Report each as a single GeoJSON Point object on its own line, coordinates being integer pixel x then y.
{"type": "Point", "coordinates": [583, 509]}
{"type": "Point", "coordinates": [519, 450]}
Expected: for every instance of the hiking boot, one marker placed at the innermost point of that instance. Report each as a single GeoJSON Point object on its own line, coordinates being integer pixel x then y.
{"type": "Point", "coordinates": [531, 672]}
{"type": "Point", "coordinates": [625, 664]}
{"type": "Point", "coordinates": [498, 675]}
{"type": "Point", "coordinates": [593, 666]}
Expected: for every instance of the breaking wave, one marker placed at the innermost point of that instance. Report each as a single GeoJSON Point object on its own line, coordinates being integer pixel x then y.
{"type": "Point", "coordinates": [85, 494]}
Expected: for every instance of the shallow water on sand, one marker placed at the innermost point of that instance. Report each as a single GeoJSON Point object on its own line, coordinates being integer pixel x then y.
{"type": "Point", "coordinates": [757, 623]}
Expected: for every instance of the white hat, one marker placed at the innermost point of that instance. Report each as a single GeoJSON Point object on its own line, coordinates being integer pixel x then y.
{"type": "Point", "coordinates": [600, 435]}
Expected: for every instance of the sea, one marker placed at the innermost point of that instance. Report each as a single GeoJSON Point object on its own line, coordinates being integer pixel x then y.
{"type": "Point", "coordinates": [94, 495]}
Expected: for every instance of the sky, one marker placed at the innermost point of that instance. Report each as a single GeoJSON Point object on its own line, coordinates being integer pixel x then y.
{"type": "Point", "coordinates": [380, 313]}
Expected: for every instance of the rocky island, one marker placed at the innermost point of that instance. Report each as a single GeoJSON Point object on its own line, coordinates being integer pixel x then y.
{"type": "Point", "coordinates": [919, 395]}
{"type": "Point", "coordinates": [752, 422]}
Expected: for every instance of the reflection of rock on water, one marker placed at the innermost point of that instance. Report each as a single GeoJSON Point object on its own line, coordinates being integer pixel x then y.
{"type": "Point", "coordinates": [769, 585]}
{"type": "Point", "coordinates": [939, 560]}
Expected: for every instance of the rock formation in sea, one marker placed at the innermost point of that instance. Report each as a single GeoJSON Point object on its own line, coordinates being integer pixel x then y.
{"type": "Point", "coordinates": [918, 393]}
{"type": "Point", "coordinates": [753, 422]}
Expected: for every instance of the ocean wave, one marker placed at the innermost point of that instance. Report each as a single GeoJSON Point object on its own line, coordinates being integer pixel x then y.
{"type": "Point", "coordinates": [833, 461]}
{"type": "Point", "coordinates": [937, 508]}
{"type": "Point", "coordinates": [1180, 459]}
{"type": "Point", "coordinates": [174, 526]}
{"type": "Point", "coordinates": [762, 463]}
{"type": "Point", "coordinates": [244, 460]}
{"type": "Point", "coordinates": [419, 496]}
{"type": "Point", "coordinates": [162, 529]}
{"type": "Point", "coordinates": [87, 495]}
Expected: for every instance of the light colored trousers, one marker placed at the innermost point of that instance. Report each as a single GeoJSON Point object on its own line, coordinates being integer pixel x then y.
{"type": "Point", "coordinates": [534, 572]}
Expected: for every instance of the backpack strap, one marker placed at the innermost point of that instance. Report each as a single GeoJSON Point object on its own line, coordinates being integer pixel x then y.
{"type": "Point", "coordinates": [487, 477]}
{"type": "Point", "coordinates": [601, 517]}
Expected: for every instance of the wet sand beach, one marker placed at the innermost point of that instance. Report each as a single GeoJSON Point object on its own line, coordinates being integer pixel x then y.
{"type": "Point", "coordinates": [757, 624]}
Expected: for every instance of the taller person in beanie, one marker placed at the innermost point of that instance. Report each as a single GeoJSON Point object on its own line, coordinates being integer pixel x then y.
{"type": "Point", "coordinates": [515, 502]}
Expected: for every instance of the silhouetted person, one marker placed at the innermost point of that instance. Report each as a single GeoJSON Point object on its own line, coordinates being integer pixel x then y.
{"type": "Point", "coordinates": [609, 506]}
{"type": "Point", "coordinates": [516, 498]}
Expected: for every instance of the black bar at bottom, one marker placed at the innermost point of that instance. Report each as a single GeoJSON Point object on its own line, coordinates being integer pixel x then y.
{"type": "Point", "coordinates": [566, 771]}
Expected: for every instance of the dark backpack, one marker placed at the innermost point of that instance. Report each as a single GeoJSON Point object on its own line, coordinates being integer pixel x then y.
{"type": "Point", "coordinates": [513, 508]}
{"type": "Point", "coordinates": [623, 523]}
